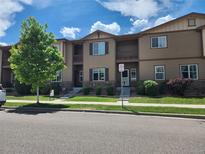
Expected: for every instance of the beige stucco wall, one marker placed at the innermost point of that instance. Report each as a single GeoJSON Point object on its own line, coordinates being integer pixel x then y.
{"type": "Point", "coordinates": [107, 61]}
{"type": "Point", "coordinates": [180, 44]}
{"type": "Point", "coordinates": [67, 72]}
{"type": "Point", "coordinates": [146, 68]}
{"type": "Point", "coordinates": [203, 39]}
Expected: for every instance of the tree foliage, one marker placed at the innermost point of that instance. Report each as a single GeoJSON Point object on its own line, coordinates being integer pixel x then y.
{"type": "Point", "coordinates": [34, 60]}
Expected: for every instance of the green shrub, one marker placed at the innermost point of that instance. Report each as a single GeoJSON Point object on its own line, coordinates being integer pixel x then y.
{"type": "Point", "coordinates": [86, 90]}
{"type": "Point", "coordinates": [22, 89]}
{"type": "Point", "coordinates": [140, 89]}
{"type": "Point", "coordinates": [151, 88]}
{"type": "Point", "coordinates": [178, 86]}
{"type": "Point", "coordinates": [110, 90]}
{"type": "Point", "coordinates": [162, 87]}
{"type": "Point", "coordinates": [45, 90]}
{"type": "Point", "coordinates": [98, 90]}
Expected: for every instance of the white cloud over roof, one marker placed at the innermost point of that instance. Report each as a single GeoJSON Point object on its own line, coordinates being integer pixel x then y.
{"type": "Point", "coordinates": [113, 28]}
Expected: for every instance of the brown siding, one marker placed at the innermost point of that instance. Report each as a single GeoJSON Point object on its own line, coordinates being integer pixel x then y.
{"type": "Point", "coordinates": [179, 25]}
{"type": "Point", "coordinates": [146, 68]}
{"type": "Point", "coordinates": [180, 44]}
{"type": "Point", "coordinates": [127, 49]}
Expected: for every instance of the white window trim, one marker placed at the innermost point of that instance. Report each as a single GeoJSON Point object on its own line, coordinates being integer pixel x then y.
{"type": "Point", "coordinates": [155, 72]}
{"type": "Point", "coordinates": [97, 54]}
{"type": "Point", "coordinates": [56, 77]}
{"type": "Point", "coordinates": [197, 71]}
{"type": "Point", "coordinates": [135, 70]}
{"type": "Point", "coordinates": [81, 76]}
{"type": "Point", "coordinates": [158, 42]}
{"type": "Point", "coordinates": [98, 69]}
{"type": "Point", "coordinates": [192, 19]}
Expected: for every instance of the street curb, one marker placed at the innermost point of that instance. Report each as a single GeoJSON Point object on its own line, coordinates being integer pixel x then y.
{"type": "Point", "coordinates": [36, 109]}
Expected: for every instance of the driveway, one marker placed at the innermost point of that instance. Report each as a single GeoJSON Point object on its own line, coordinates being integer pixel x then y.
{"type": "Point", "coordinates": [94, 133]}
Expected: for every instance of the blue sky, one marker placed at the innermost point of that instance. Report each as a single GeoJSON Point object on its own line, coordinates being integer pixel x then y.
{"type": "Point", "coordinates": [73, 19]}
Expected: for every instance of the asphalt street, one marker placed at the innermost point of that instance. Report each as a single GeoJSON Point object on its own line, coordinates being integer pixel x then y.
{"type": "Point", "coordinates": [97, 133]}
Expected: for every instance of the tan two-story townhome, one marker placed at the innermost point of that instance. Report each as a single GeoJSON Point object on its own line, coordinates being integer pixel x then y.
{"type": "Point", "coordinates": [173, 49]}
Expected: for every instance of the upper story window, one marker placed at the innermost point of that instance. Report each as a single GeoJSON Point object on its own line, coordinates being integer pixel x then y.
{"type": "Point", "coordinates": [191, 22]}
{"type": "Point", "coordinates": [189, 71]}
{"type": "Point", "coordinates": [98, 48]}
{"type": "Point", "coordinates": [159, 72]}
{"type": "Point", "coordinates": [159, 42]}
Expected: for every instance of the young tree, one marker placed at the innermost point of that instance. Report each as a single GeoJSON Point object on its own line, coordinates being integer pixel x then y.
{"type": "Point", "coordinates": [34, 60]}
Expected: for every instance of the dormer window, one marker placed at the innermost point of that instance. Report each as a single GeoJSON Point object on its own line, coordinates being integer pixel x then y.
{"type": "Point", "coordinates": [191, 22]}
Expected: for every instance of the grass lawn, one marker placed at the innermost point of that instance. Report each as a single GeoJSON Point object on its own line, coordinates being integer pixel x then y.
{"type": "Point", "coordinates": [116, 108]}
{"type": "Point", "coordinates": [92, 99]}
{"type": "Point", "coordinates": [167, 100]}
{"type": "Point", "coordinates": [29, 97]}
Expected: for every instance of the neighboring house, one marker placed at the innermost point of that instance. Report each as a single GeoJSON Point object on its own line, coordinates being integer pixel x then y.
{"type": "Point", "coordinates": [6, 76]}
{"type": "Point", "coordinates": [173, 49]}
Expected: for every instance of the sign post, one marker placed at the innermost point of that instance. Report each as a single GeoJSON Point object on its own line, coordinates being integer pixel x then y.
{"type": "Point", "coordinates": [121, 70]}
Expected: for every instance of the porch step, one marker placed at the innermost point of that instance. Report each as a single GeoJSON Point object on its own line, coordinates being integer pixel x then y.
{"type": "Point", "coordinates": [73, 92]}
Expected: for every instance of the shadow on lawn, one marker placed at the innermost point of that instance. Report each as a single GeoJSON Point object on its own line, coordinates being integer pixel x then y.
{"type": "Point", "coordinates": [34, 109]}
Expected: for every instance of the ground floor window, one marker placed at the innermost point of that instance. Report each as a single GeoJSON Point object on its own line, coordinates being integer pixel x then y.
{"type": "Point", "coordinates": [133, 74]}
{"type": "Point", "coordinates": [81, 76]}
{"type": "Point", "coordinates": [189, 71]}
{"type": "Point", "coordinates": [98, 74]}
{"type": "Point", "coordinates": [159, 72]}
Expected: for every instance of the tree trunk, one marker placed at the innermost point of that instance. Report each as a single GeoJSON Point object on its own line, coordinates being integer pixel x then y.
{"type": "Point", "coordinates": [37, 95]}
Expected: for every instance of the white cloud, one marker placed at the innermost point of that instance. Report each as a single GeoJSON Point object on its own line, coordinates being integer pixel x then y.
{"type": "Point", "coordinates": [137, 24]}
{"type": "Point", "coordinates": [162, 20]}
{"type": "Point", "coordinates": [3, 44]}
{"type": "Point", "coordinates": [136, 8]}
{"type": "Point", "coordinates": [146, 28]}
{"type": "Point", "coordinates": [69, 32]}
{"type": "Point", "coordinates": [113, 28]}
{"type": "Point", "coordinates": [42, 3]}
{"type": "Point", "coordinates": [8, 9]}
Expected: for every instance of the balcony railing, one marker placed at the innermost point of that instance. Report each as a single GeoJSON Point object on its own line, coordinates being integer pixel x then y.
{"type": "Point", "coordinates": [127, 58]}
{"type": "Point", "coordinates": [78, 59]}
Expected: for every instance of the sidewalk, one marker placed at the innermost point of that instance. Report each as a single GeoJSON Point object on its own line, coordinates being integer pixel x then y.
{"type": "Point", "coordinates": [118, 103]}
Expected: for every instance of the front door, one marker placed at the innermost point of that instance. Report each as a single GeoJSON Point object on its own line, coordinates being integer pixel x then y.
{"type": "Point", "coordinates": [78, 78]}
{"type": "Point", "coordinates": [125, 78]}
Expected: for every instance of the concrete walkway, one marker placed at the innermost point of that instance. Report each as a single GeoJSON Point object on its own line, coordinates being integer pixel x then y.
{"type": "Point", "coordinates": [118, 103]}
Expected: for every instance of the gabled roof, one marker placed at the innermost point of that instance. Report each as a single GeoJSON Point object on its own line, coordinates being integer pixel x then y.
{"type": "Point", "coordinates": [97, 31]}
{"type": "Point", "coordinates": [174, 20]}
